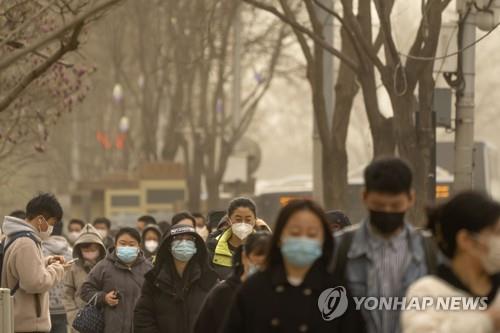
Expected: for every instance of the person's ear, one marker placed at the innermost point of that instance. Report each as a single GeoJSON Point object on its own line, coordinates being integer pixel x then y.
{"type": "Point", "coordinates": [364, 196]}
{"type": "Point", "coordinates": [412, 197]}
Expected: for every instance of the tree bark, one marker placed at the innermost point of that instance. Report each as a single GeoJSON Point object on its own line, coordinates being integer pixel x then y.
{"type": "Point", "coordinates": [335, 162]}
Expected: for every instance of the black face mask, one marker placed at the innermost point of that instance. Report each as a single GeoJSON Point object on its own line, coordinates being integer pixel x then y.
{"type": "Point", "coordinates": [387, 223]}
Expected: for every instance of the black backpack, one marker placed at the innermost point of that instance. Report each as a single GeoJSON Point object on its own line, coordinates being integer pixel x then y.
{"type": "Point", "coordinates": [340, 258]}
{"type": "Point", "coordinates": [7, 242]}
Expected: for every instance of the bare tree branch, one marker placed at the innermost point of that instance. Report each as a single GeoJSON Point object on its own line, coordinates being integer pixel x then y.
{"type": "Point", "coordinates": [392, 54]}
{"type": "Point", "coordinates": [71, 45]}
{"type": "Point", "coordinates": [27, 22]}
{"type": "Point", "coordinates": [56, 34]}
{"type": "Point", "coordinates": [305, 31]}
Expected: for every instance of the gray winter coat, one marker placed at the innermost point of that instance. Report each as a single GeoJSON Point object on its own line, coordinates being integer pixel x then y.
{"type": "Point", "coordinates": [111, 274]}
{"type": "Point", "coordinates": [75, 278]}
{"type": "Point", "coordinates": [57, 246]}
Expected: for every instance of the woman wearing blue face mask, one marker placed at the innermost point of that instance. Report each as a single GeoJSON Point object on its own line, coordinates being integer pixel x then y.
{"type": "Point", "coordinates": [295, 292]}
{"type": "Point", "coordinates": [175, 288]}
{"type": "Point", "coordinates": [248, 259]}
{"type": "Point", "coordinates": [117, 280]}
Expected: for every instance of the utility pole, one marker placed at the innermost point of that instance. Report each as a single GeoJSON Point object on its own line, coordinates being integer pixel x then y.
{"type": "Point", "coordinates": [329, 93]}
{"type": "Point", "coordinates": [236, 93]}
{"type": "Point", "coordinates": [464, 134]}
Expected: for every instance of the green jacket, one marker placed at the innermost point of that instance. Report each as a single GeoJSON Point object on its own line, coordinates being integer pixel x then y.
{"type": "Point", "coordinates": [221, 256]}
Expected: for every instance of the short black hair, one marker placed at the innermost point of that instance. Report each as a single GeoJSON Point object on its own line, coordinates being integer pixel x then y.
{"type": "Point", "coordinates": [274, 257]}
{"type": "Point", "coordinates": [182, 216]}
{"type": "Point", "coordinates": [128, 231]}
{"type": "Point", "coordinates": [214, 217]}
{"type": "Point", "coordinates": [256, 243]}
{"type": "Point", "coordinates": [241, 202]}
{"type": "Point", "coordinates": [338, 217]}
{"type": "Point", "coordinates": [102, 220]}
{"type": "Point", "coordinates": [388, 175]}
{"type": "Point", "coordinates": [20, 214]}
{"type": "Point", "coordinates": [164, 226]}
{"type": "Point", "coordinates": [44, 204]}
{"type": "Point", "coordinates": [147, 219]}
{"type": "Point", "coordinates": [76, 221]}
{"type": "Point", "coordinates": [471, 211]}
{"type": "Point", "coordinates": [199, 216]}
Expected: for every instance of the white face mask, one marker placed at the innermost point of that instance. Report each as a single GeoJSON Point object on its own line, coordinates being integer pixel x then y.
{"type": "Point", "coordinates": [242, 230]}
{"type": "Point", "coordinates": [151, 245]}
{"type": "Point", "coordinates": [91, 255]}
{"type": "Point", "coordinates": [44, 235]}
{"type": "Point", "coordinates": [73, 236]}
{"type": "Point", "coordinates": [103, 233]}
{"type": "Point", "coordinates": [203, 232]}
{"type": "Point", "coordinates": [491, 262]}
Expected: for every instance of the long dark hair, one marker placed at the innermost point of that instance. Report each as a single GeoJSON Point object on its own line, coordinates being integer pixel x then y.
{"type": "Point", "coordinates": [471, 211]}
{"type": "Point", "coordinates": [274, 257]}
{"type": "Point", "coordinates": [256, 243]}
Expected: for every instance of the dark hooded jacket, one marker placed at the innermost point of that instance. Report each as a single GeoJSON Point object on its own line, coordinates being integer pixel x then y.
{"type": "Point", "coordinates": [111, 274]}
{"type": "Point", "coordinates": [170, 303]}
{"type": "Point", "coordinates": [216, 306]}
{"type": "Point", "coordinates": [150, 255]}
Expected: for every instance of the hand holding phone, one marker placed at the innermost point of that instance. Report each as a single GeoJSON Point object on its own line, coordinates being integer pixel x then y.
{"type": "Point", "coordinates": [72, 261]}
{"type": "Point", "coordinates": [67, 265]}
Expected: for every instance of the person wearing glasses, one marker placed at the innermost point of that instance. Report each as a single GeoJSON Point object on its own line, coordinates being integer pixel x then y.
{"type": "Point", "coordinates": [176, 287]}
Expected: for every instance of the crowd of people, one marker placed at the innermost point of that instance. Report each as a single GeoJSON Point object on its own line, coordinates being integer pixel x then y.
{"type": "Point", "coordinates": [243, 276]}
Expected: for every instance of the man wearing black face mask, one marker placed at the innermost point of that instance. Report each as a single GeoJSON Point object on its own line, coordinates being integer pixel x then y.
{"type": "Point", "coordinates": [382, 255]}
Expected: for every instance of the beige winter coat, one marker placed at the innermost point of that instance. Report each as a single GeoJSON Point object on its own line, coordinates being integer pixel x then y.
{"type": "Point", "coordinates": [24, 262]}
{"type": "Point", "coordinates": [432, 320]}
{"type": "Point", "coordinates": [78, 273]}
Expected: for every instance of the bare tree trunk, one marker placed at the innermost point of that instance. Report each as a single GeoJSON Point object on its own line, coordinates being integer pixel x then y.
{"type": "Point", "coordinates": [405, 107]}
{"type": "Point", "coordinates": [384, 143]}
{"type": "Point", "coordinates": [149, 123]}
{"type": "Point", "coordinates": [426, 138]}
{"type": "Point", "coordinates": [194, 167]}
{"type": "Point", "coordinates": [213, 191]}
{"type": "Point", "coordinates": [336, 163]}
{"type": "Point", "coordinates": [172, 135]}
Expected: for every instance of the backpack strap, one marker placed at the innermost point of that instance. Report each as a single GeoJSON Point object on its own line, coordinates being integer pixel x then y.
{"type": "Point", "coordinates": [7, 243]}
{"type": "Point", "coordinates": [10, 240]}
{"type": "Point", "coordinates": [340, 259]}
{"type": "Point", "coordinates": [431, 251]}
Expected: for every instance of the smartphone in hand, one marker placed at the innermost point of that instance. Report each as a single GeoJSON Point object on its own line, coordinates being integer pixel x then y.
{"type": "Point", "coordinates": [72, 261]}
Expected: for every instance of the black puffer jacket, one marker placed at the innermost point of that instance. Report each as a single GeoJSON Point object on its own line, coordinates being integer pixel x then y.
{"type": "Point", "coordinates": [266, 302]}
{"type": "Point", "coordinates": [169, 303]}
{"type": "Point", "coordinates": [216, 306]}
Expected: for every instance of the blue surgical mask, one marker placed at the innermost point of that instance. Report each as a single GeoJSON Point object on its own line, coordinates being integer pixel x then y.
{"type": "Point", "coordinates": [127, 254]}
{"type": "Point", "coordinates": [183, 249]}
{"type": "Point", "coordinates": [301, 251]}
{"type": "Point", "coordinates": [252, 269]}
